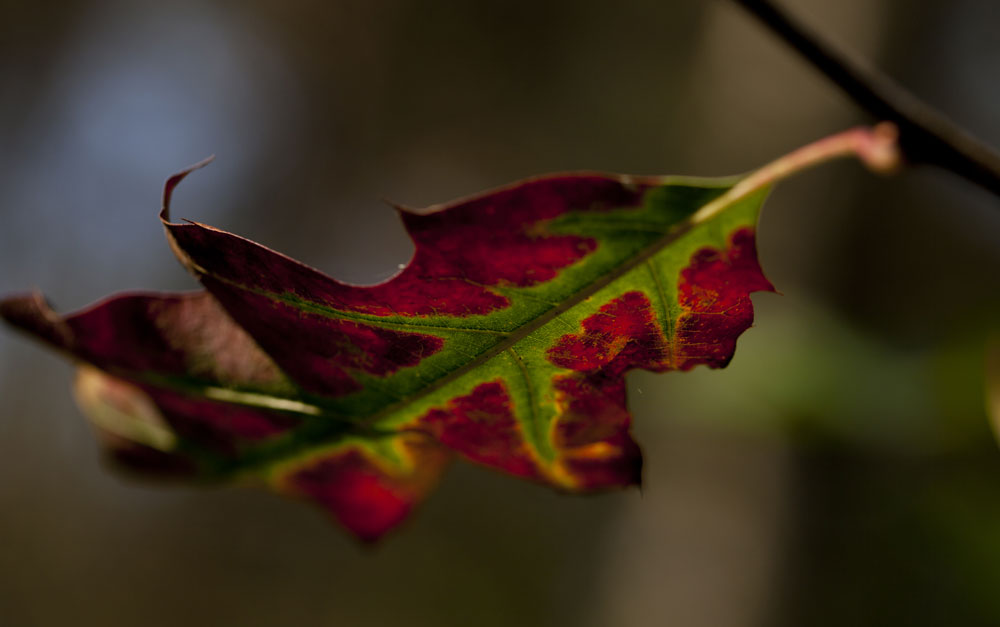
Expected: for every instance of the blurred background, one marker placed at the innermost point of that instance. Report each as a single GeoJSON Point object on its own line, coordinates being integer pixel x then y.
{"type": "Point", "coordinates": [840, 472]}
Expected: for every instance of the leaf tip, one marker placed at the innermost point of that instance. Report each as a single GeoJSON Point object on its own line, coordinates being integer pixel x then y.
{"type": "Point", "coordinates": [174, 180]}
{"type": "Point", "coordinates": [399, 207]}
{"type": "Point", "coordinates": [31, 312]}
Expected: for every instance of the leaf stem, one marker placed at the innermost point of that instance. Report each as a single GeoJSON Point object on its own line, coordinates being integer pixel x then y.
{"type": "Point", "coordinates": [876, 147]}
{"type": "Point", "coordinates": [926, 135]}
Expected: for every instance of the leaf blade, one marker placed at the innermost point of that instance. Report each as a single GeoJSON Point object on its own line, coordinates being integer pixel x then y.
{"type": "Point", "coordinates": [505, 340]}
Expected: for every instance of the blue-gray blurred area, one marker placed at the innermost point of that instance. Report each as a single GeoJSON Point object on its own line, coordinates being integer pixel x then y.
{"type": "Point", "coordinates": [840, 472]}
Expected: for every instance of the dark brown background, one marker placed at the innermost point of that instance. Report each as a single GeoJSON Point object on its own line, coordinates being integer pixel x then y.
{"type": "Point", "coordinates": [841, 471]}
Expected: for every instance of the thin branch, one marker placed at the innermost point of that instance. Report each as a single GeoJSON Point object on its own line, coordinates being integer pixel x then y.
{"type": "Point", "coordinates": [925, 135]}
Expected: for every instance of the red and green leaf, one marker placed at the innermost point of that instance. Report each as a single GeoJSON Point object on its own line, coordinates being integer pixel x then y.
{"type": "Point", "coordinates": [504, 341]}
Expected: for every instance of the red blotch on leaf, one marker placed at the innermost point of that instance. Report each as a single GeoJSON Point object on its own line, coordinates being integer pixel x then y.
{"type": "Point", "coordinates": [482, 427]}
{"type": "Point", "coordinates": [623, 334]}
{"type": "Point", "coordinates": [592, 432]}
{"type": "Point", "coordinates": [593, 427]}
{"type": "Point", "coordinates": [360, 496]}
{"type": "Point", "coordinates": [714, 291]}
{"type": "Point", "coordinates": [364, 496]}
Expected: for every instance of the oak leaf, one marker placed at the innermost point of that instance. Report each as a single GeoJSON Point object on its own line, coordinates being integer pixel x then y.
{"type": "Point", "coordinates": [504, 341]}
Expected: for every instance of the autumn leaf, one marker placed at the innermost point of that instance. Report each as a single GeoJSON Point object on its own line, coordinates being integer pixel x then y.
{"type": "Point", "coordinates": [504, 341]}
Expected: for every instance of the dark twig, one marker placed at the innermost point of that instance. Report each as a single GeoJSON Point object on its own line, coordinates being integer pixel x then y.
{"type": "Point", "coordinates": [925, 135]}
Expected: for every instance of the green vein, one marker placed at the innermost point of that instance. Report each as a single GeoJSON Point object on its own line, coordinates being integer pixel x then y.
{"type": "Point", "coordinates": [667, 321]}
{"type": "Point", "coordinates": [529, 389]}
{"type": "Point", "coordinates": [521, 293]}
{"type": "Point", "coordinates": [330, 312]}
